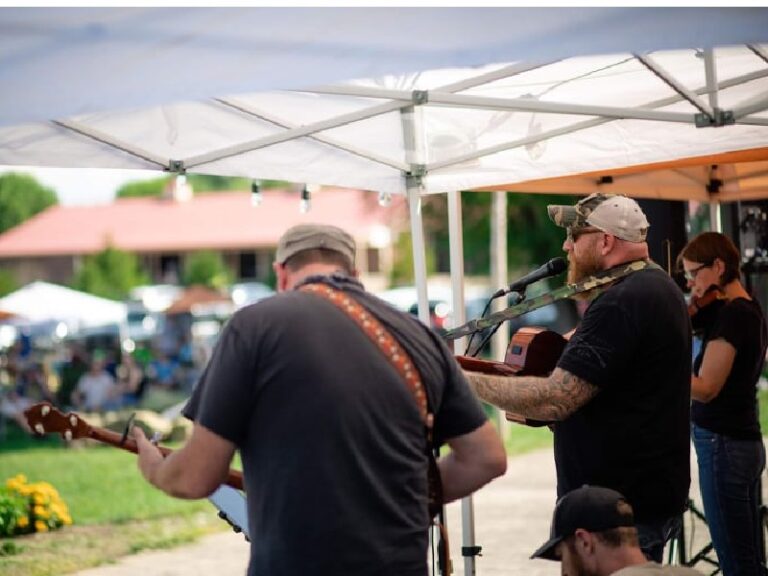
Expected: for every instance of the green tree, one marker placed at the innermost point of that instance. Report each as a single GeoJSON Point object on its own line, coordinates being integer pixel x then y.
{"type": "Point", "coordinates": [531, 237]}
{"type": "Point", "coordinates": [21, 197]}
{"type": "Point", "coordinates": [143, 188]}
{"type": "Point", "coordinates": [8, 282]}
{"type": "Point", "coordinates": [207, 268]}
{"type": "Point", "coordinates": [110, 273]}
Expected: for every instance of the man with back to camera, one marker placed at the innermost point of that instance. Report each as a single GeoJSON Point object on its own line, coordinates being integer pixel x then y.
{"type": "Point", "coordinates": [593, 534]}
{"type": "Point", "coordinates": [619, 396]}
{"type": "Point", "coordinates": [333, 447]}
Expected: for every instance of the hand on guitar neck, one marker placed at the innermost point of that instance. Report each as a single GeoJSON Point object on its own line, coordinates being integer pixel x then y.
{"type": "Point", "coordinates": [532, 351]}
{"type": "Point", "coordinates": [44, 418]}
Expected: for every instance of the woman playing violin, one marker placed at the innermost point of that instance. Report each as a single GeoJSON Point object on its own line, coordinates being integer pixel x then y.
{"type": "Point", "coordinates": [725, 428]}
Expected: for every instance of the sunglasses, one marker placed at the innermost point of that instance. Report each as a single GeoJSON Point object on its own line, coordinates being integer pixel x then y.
{"type": "Point", "coordinates": [690, 275]}
{"type": "Point", "coordinates": [573, 234]}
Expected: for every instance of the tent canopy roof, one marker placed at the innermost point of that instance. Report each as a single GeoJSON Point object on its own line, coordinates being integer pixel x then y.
{"type": "Point", "coordinates": [724, 177]}
{"type": "Point", "coordinates": [439, 130]}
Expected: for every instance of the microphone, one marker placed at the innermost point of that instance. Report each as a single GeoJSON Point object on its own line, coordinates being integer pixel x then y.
{"type": "Point", "coordinates": [551, 268]}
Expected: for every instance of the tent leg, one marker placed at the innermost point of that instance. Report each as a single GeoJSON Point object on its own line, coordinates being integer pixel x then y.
{"type": "Point", "coordinates": [419, 252]}
{"type": "Point", "coordinates": [456, 246]}
{"type": "Point", "coordinates": [715, 219]}
{"type": "Point", "coordinates": [499, 277]}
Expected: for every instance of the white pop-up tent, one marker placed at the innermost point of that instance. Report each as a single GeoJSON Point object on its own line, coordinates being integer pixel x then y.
{"type": "Point", "coordinates": [39, 302]}
{"type": "Point", "coordinates": [474, 98]}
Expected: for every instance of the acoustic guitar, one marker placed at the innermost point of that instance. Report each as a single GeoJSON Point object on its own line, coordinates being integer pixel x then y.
{"type": "Point", "coordinates": [532, 351]}
{"type": "Point", "coordinates": [44, 418]}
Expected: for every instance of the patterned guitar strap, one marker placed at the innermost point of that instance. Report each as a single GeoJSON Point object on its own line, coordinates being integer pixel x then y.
{"type": "Point", "coordinates": [404, 366]}
{"type": "Point", "coordinates": [593, 285]}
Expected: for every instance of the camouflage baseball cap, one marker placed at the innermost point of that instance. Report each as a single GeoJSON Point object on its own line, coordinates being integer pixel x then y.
{"type": "Point", "coordinates": [617, 215]}
{"type": "Point", "coordinates": [311, 236]}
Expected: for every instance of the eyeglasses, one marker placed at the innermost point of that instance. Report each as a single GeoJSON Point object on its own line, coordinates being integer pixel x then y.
{"type": "Point", "coordinates": [690, 275]}
{"type": "Point", "coordinates": [573, 234]}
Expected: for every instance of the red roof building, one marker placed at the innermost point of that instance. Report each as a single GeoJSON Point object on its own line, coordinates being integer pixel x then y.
{"type": "Point", "coordinates": [162, 231]}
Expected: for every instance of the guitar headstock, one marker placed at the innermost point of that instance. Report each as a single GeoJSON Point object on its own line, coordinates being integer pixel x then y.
{"type": "Point", "coordinates": [44, 418]}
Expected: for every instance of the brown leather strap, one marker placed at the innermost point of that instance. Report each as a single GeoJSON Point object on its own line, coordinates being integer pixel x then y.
{"type": "Point", "coordinates": [379, 335]}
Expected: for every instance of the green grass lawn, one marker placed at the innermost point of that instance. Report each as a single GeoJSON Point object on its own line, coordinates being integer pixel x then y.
{"type": "Point", "coordinates": [115, 512]}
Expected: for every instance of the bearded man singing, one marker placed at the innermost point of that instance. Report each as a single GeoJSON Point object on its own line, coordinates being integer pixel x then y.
{"type": "Point", "coordinates": [620, 394]}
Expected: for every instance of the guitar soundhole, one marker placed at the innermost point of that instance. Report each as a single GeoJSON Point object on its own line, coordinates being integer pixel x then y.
{"type": "Point", "coordinates": [516, 349]}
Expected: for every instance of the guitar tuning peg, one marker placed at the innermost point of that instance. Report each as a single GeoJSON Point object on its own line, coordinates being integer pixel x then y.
{"type": "Point", "coordinates": [73, 420]}
{"type": "Point", "coordinates": [45, 410]}
{"type": "Point", "coordinates": [68, 435]}
{"type": "Point", "coordinates": [39, 429]}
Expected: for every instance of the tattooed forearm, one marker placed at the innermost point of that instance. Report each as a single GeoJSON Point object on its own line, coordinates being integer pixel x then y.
{"type": "Point", "coordinates": [552, 398]}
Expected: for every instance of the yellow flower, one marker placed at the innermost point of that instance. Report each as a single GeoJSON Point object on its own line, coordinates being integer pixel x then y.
{"type": "Point", "coordinates": [41, 512]}
{"type": "Point", "coordinates": [41, 526]}
{"type": "Point", "coordinates": [38, 498]}
{"type": "Point", "coordinates": [23, 522]}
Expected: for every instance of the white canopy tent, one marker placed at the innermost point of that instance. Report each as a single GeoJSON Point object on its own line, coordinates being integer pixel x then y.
{"type": "Point", "coordinates": [520, 95]}
{"type": "Point", "coordinates": [44, 302]}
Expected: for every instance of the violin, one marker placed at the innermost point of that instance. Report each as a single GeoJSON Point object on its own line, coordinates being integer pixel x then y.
{"type": "Point", "coordinates": [703, 309]}
{"type": "Point", "coordinates": [713, 294]}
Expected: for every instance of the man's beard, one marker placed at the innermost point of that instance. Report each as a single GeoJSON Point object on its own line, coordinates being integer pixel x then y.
{"type": "Point", "coordinates": [588, 264]}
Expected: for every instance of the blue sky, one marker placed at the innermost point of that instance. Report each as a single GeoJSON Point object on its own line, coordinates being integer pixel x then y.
{"type": "Point", "coordinates": [79, 186]}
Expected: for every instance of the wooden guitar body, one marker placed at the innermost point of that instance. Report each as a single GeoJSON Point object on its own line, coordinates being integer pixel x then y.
{"type": "Point", "coordinates": [532, 351]}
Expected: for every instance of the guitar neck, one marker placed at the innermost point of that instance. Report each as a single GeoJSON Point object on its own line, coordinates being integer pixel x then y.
{"type": "Point", "coordinates": [234, 477]}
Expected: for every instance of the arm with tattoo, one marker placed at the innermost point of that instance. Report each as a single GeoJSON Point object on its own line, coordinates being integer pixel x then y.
{"type": "Point", "coordinates": [550, 398]}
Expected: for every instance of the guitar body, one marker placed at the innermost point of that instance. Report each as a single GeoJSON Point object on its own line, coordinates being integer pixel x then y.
{"type": "Point", "coordinates": [532, 351]}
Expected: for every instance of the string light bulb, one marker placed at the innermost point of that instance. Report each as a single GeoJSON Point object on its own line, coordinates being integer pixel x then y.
{"type": "Point", "coordinates": [385, 199]}
{"type": "Point", "coordinates": [256, 193]}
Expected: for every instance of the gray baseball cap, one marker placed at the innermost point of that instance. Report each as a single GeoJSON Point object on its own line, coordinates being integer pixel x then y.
{"type": "Point", "coordinates": [311, 236]}
{"type": "Point", "coordinates": [617, 215]}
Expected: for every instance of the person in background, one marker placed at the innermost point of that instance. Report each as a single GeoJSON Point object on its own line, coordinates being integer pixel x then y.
{"type": "Point", "coordinates": [70, 372]}
{"type": "Point", "coordinates": [619, 397]}
{"type": "Point", "coordinates": [334, 449]}
{"type": "Point", "coordinates": [725, 426]}
{"type": "Point", "coordinates": [593, 534]}
{"type": "Point", "coordinates": [97, 390]}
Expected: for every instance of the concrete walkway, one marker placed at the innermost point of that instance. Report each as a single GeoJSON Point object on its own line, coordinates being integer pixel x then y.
{"type": "Point", "coordinates": [511, 519]}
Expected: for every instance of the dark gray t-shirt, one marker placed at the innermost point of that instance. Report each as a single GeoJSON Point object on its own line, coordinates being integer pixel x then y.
{"type": "Point", "coordinates": [634, 344]}
{"type": "Point", "coordinates": [333, 448]}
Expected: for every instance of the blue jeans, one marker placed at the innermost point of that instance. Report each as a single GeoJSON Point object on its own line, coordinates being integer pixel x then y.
{"type": "Point", "coordinates": [653, 536]}
{"type": "Point", "coordinates": [729, 478]}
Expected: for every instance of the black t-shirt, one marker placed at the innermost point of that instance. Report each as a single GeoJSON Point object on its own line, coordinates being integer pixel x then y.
{"type": "Point", "coordinates": [333, 448]}
{"type": "Point", "coordinates": [733, 411]}
{"type": "Point", "coordinates": [634, 344]}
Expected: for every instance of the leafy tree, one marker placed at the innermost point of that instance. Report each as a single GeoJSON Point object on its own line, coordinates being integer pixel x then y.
{"type": "Point", "coordinates": [21, 197]}
{"type": "Point", "coordinates": [531, 237]}
{"type": "Point", "coordinates": [8, 282]}
{"type": "Point", "coordinates": [207, 268]}
{"type": "Point", "coordinates": [143, 188]}
{"type": "Point", "coordinates": [110, 273]}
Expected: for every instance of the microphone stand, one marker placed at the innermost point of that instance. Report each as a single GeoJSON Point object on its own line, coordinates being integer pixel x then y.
{"type": "Point", "coordinates": [517, 297]}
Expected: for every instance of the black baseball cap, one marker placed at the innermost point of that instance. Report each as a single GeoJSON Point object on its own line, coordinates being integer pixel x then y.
{"type": "Point", "coordinates": [591, 508]}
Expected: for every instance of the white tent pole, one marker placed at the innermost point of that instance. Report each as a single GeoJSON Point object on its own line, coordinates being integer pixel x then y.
{"type": "Point", "coordinates": [715, 221]}
{"type": "Point", "coordinates": [499, 277]}
{"type": "Point", "coordinates": [710, 73]}
{"type": "Point", "coordinates": [272, 119]}
{"type": "Point", "coordinates": [456, 247]}
{"type": "Point", "coordinates": [410, 117]}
